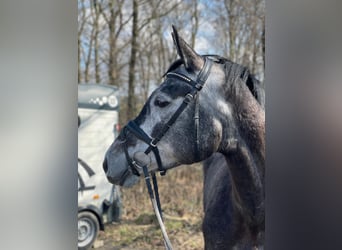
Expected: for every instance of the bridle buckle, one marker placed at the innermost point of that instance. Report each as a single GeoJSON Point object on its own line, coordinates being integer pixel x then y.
{"type": "Point", "coordinates": [136, 165]}
{"type": "Point", "coordinates": [198, 86]}
{"type": "Point", "coordinates": [188, 98]}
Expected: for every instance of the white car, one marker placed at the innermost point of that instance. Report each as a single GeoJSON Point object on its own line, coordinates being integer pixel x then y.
{"type": "Point", "coordinates": [98, 201]}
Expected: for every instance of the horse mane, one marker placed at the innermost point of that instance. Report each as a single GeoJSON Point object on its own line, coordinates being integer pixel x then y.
{"type": "Point", "coordinates": [236, 71]}
{"type": "Point", "coordinates": [233, 72]}
{"type": "Point", "coordinates": [257, 90]}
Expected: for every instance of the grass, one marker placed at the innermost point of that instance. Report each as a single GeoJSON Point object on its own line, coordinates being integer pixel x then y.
{"type": "Point", "coordinates": [181, 192]}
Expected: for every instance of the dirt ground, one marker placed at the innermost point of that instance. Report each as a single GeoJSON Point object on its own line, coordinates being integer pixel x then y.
{"type": "Point", "coordinates": [181, 198]}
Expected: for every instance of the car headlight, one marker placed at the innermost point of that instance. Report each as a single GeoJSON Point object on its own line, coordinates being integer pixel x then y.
{"type": "Point", "coordinates": [112, 101]}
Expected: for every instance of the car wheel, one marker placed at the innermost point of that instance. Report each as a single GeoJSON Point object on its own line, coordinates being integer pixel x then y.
{"type": "Point", "coordinates": [88, 229]}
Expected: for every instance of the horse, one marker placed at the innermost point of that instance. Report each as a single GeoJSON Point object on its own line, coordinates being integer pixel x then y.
{"type": "Point", "coordinates": [202, 106]}
{"type": "Point", "coordinates": [224, 224]}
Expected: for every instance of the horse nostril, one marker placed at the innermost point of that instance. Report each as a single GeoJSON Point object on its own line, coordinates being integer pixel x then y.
{"type": "Point", "coordinates": [105, 166]}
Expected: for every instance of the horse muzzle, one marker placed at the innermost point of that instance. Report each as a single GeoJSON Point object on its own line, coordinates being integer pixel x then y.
{"type": "Point", "coordinates": [119, 176]}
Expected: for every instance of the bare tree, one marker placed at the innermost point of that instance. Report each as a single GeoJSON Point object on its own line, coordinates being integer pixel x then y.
{"type": "Point", "coordinates": [238, 31]}
{"type": "Point", "coordinates": [134, 48]}
{"type": "Point", "coordinates": [127, 43]}
{"type": "Point", "coordinates": [112, 13]}
{"type": "Point", "coordinates": [229, 7]}
{"type": "Point", "coordinates": [263, 41]}
{"type": "Point", "coordinates": [81, 23]}
{"type": "Point", "coordinates": [96, 42]}
{"type": "Point", "coordinates": [87, 60]}
{"type": "Point", "coordinates": [195, 22]}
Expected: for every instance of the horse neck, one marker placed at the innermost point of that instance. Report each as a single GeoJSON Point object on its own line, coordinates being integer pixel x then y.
{"type": "Point", "coordinates": [246, 160]}
{"type": "Point", "coordinates": [249, 124]}
{"type": "Point", "coordinates": [247, 179]}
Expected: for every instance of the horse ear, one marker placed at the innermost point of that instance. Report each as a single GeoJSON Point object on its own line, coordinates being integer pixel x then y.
{"type": "Point", "coordinates": [192, 61]}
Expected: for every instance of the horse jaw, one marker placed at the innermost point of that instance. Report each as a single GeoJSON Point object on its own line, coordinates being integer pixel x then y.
{"type": "Point", "coordinates": [117, 166]}
{"type": "Point", "coordinates": [130, 181]}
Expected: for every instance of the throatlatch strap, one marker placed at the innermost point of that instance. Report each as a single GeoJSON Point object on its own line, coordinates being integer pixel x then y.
{"type": "Point", "coordinates": [196, 120]}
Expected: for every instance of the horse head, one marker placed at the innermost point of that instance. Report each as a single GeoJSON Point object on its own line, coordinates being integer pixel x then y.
{"type": "Point", "coordinates": [191, 115]}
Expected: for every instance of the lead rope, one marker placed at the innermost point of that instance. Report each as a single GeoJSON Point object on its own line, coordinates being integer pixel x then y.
{"type": "Point", "coordinates": [156, 205]}
{"type": "Point", "coordinates": [156, 192]}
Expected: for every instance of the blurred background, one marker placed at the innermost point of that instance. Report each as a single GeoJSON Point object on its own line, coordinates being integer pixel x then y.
{"type": "Point", "coordinates": [38, 97]}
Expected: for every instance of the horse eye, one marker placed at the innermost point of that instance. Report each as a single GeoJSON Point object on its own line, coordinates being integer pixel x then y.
{"type": "Point", "coordinates": [161, 103]}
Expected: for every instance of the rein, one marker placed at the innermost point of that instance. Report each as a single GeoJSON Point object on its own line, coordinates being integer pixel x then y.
{"type": "Point", "coordinates": [141, 160]}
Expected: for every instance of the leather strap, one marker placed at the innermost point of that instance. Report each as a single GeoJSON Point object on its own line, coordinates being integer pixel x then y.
{"type": "Point", "coordinates": [134, 128]}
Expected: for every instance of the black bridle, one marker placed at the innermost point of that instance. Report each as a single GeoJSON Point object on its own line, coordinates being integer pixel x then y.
{"type": "Point", "coordinates": [133, 127]}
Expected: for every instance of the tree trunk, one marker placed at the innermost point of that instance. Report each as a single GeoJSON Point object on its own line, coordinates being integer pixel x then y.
{"type": "Point", "coordinates": [263, 41]}
{"type": "Point", "coordinates": [229, 5]}
{"type": "Point", "coordinates": [80, 32]}
{"type": "Point", "coordinates": [88, 60]}
{"type": "Point", "coordinates": [79, 60]}
{"type": "Point", "coordinates": [231, 32]}
{"type": "Point", "coordinates": [112, 66]}
{"type": "Point", "coordinates": [254, 39]}
{"type": "Point", "coordinates": [96, 46]}
{"type": "Point", "coordinates": [194, 24]}
{"type": "Point", "coordinates": [131, 74]}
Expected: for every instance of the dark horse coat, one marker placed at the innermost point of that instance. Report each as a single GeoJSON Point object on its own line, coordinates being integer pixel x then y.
{"type": "Point", "coordinates": [225, 224]}
{"type": "Point", "coordinates": [232, 123]}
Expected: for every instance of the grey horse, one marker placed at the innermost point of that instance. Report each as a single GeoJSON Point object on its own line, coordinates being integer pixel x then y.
{"type": "Point", "coordinates": [228, 117]}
